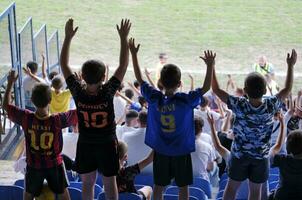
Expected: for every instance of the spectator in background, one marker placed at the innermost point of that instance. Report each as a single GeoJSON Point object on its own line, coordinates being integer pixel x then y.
{"type": "Point", "coordinates": [272, 87]}
{"type": "Point", "coordinates": [119, 106]}
{"type": "Point", "coordinates": [136, 138]}
{"type": "Point", "coordinates": [263, 67]}
{"type": "Point", "coordinates": [130, 124]}
{"type": "Point", "coordinates": [163, 57]}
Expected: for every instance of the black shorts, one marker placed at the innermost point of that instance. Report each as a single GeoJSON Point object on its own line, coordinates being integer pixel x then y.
{"type": "Point", "coordinates": [256, 170]}
{"type": "Point", "coordinates": [101, 157]}
{"type": "Point", "coordinates": [165, 168]}
{"type": "Point", "coordinates": [56, 179]}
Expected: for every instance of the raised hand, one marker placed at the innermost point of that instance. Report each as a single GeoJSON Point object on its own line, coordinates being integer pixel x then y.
{"type": "Point", "coordinates": [147, 72]}
{"type": "Point", "coordinates": [132, 47]}
{"type": "Point", "coordinates": [209, 58]}
{"type": "Point", "coordinates": [27, 71]}
{"type": "Point", "coordinates": [124, 28]}
{"type": "Point", "coordinates": [69, 30]}
{"type": "Point", "coordinates": [291, 59]}
{"type": "Point", "coordinates": [43, 57]}
{"type": "Point", "coordinates": [190, 76]}
{"type": "Point", "coordinates": [12, 77]}
{"type": "Point", "coordinates": [210, 119]}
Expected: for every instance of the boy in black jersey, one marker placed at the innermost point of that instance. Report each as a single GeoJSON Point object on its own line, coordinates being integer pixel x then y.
{"type": "Point", "coordinates": [97, 143]}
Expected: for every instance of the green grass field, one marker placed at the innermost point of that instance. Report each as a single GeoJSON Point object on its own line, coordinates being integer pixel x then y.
{"type": "Point", "coordinates": [238, 30]}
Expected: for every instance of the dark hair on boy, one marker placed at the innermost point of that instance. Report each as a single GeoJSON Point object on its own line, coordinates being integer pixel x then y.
{"type": "Point", "coordinates": [121, 87]}
{"type": "Point", "coordinates": [52, 75]}
{"type": "Point", "coordinates": [129, 93]}
{"type": "Point", "coordinates": [142, 117]}
{"type": "Point", "coordinates": [122, 148]}
{"type": "Point", "coordinates": [41, 95]}
{"type": "Point", "coordinates": [294, 142]}
{"type": "Point", "coordinates": [136, 84]}
{"type": "Point", "coordinates": [33, 66]}
{"type": "Point", "coordinates": [205, 102]}
{"type": "Point", "coordinates": [170, 76]}
{"type": "Point", "coordinates": [57, 82]}
{"type": "Point", "coordinates": [93, 71]}
{"type": "Point", "coordinates": [162, 55]}
{"type": "Point", "coordinates": [255, 85]}
{"type": "Point", "coordinates": [142, 101]}
{"type": "Point", "coordinates": [198, 122]}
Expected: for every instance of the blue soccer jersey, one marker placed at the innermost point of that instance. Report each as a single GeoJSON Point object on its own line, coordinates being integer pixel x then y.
{"type": "Point", "coordinates": [170, 126]}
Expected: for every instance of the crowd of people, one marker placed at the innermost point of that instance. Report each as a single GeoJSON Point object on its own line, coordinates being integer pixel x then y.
{"type": "Point", "coordinates": [118, 130]}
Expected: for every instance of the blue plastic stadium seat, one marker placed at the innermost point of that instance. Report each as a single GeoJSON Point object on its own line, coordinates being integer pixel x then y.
{"type": "Point", "coordinates": [72, 176]}
{"type": "Point", "coordinates": [122, 196]}
{"type": "Point", "coordinates": [204, 185]}
{"type": "Point", "coordinates": [75, 194]}
{"type": "Point", "coordinates": [78, 185]}
{"type": "Point", "coordinates": [175, 197]}
{"type": "Point", "coordinates": [222, 184]}
{"type": "Point", "coordinates": [224, 176]}
{"type": "Point", "coordinates": [19, 182]}
{"type": "Point", "coordinates": [274, 170]}
{"type": "Point", "coordinates": [273, 178]}
{"type": "Point", "coordinates": [11, 192]}
{"type": "Point", "coordinates": [193, 191]}
{"type": "Point", "coordinates": [141, 179]}
{"type": "Point", "coordinates": [99, 180]}
{"type": "Point", "coordinates": [220, 194]}
{"type": "Point", "coordinates": [273, 185]}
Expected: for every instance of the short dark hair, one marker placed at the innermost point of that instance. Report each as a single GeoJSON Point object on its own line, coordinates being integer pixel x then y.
{"type": "Point", "coordinates": [136, 84]}
{"type": "Point", "coordinates": [142, 100]}
{"type": "Point", "coordinates": [122, 148]}
{"type": "Point", "coordinates": [33, 66]}
{"type": "Point", "coordinates": [93, 71]}
{"type": "Point", "coordinates": [170, 76]}
{"type": "Point", "coordinates": [57, 82]}
{"type": "Point", "coordinates": [255, 85]}
{"type": "Point", "coordinates": [131, 114]}
{"type": "Point", "coordinates": [52, 74]}
{"type": "Point", "coordinates": [294, 142]}
{"type": "Point", "coordinates": [142, 117]}
{"type": "Point", "coordinates": [41, 95]}
{"type": "Point", "coordinates": [129, 93]}
{"type": "Point", "coordinates": [162, 55]}
{"type": "Point", "coordinates": [199, 123]}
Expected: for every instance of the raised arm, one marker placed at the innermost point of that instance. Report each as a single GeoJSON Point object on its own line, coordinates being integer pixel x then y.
{"type": "Point", "coordinates": [209, 59]}
{"type": "Point", "coordinates": [146, 161]}
{"type": "Point", "coordinates": [134, 89]}
{"type": "Point", "coordinates": [137, 71]}
{"type": "Point", "coordinates": [33, 76]}
{"type": "Point", "coordinates": [191, 82]}
{"type": "Point", "coordinates": [280, 140]}
{"type": "Point", "coordinates": [44, 73]}
{"type": "Point", "coordinates": [221, 149]}
{"type": "Point", "coordinates": [129, 101]}
{"type": "Point", "coordinates": [123, 31]}
{"type": "Point", "coordinates": [64, 58]}
{"type": "Point", "coordinates": [11, 79]}
{"type": "Point", "coordinates": [147, 73]}
{"type": "Point", "coordinates": [223, 95]}
{"type": "Point", "coordinates": [291, 61]}
{"type": "Point", "coordinates": [107, 73]}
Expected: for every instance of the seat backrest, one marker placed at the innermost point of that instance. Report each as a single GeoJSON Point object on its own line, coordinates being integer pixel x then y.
{"type": "Point", "coordinates": [75, 194]}
{"type": "Point", "coordinates": [273, 178]}
{"type": "Point", "coordinates": [141, 179]}
{"type": "Point", "coordinates": [72, 176]}
{"type": "Point", "coordinates": [203, 185]}
{"type": "Point", "coordinates": [122, 196]}
{"type": "Point", "coordinates": [99, 180]}
{"type": "Point", "coordinates": [97, 189]}
{"type": "Point", "coordinates": [20, 183]}
{"type": "Point", "coordinates": [193, 191]}
{"type": "Point", "coordinates": [11, 192]}
{"type": "Point", "coordinates": [175, 197]}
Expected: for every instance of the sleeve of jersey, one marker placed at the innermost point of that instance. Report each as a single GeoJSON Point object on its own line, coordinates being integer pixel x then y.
{"type": "Point", "coordinates": [73, 84]}
{"type": "Point", "coordinates": [277, 102]}
{"type": "Point", "coordinates": [149, 92]}
{"type": "Point", "coordinates": [133, 170]}
{"type": "Point", "coordinates": [68, 119]}
{"type": "Point", "coordinates": [195, 97]}
{"type": "Point", "coordinates": [232, 102]}
{"type": "Point", "coordinates": [16, 114]}
{"type": "Point", "coordinates": [112, 86]}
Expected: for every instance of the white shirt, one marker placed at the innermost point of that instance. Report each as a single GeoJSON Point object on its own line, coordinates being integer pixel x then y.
{"type": "Point", "coordinates": [204, 153]}
{"type": "Point", "coordinates": [28, 84]}
{"type": "Point", "coordinates": [119, 105]}
{"type": "Point", "coordinates": [206, 138]}
{"type": "Point", "coordinates": [203, 115]}
{"type": "Point", "coordinates": [137, 149]}
{"type": "Point", "coordinates": [120, 130]}
{"type": "Point", "coordinates": [69, 144]}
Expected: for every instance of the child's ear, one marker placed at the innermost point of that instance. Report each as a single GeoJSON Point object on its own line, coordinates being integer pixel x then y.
{"type": "Point", "coordinates": [245, 90]}
{"type": "Point", "coordinates": [264, 91]}
{"type": "Point", "coordinates": [179, 84]}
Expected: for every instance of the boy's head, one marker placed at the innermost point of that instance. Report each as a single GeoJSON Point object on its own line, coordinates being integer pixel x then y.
{"type": "Point", "coordinates": [93, 71]}
{"type": "Point", "coordinates": [131, 118]}
{"type": "Point", "coordinates": [163, 58]}
{"type": "Point", "coordinates": [262, 61]}
{"type": "Point", "coordinates": [52, 75]}
{"type": "Point", "coordinates": [170, 76]}
{"type": "Point", "coordinates": [41, 95]}
{"type": "Point", "coordinates": [122, 150]}
{"type": "Point", "coordinates": [129, 93]}
{"type": "Point", "coordinates": [255, 85]}
{"type": "Point", "coordinates": [205, 102]}
{"type": "Point", "coordinates": [142, 119]}
{"type": "Point", "coordinates": [198, 122]}
{"type": "Point", "coordinates": [136, 84]}
{"type": "Point", "coordinates": [33, 66]}
{"type": "Point", "coordinates": [294, 142]}
{"type": "Point", "coordinates": [142, 101]}
{"type": "Point", "coordinates": [57, 82]}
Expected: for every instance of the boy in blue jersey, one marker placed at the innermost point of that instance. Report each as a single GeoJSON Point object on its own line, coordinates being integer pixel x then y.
{"type": "Point", "coordinates": [170, 125]}
{"type": "Point", "coordinates": [252, 129]}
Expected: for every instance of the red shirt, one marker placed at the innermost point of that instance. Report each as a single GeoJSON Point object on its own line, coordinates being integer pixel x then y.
{"type": "Point", "coordinates": [43, 136]}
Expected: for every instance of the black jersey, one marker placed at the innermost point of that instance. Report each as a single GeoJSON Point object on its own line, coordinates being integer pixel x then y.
{"type": "Point", "coordinates": [95, 112]}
